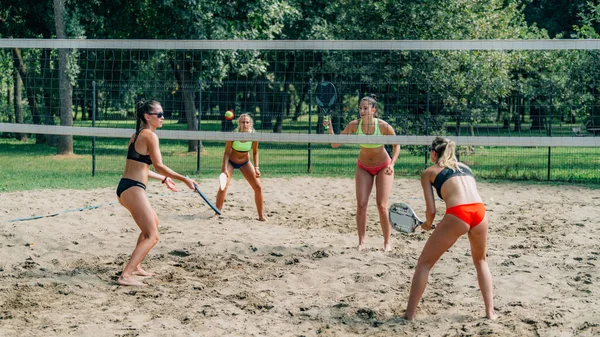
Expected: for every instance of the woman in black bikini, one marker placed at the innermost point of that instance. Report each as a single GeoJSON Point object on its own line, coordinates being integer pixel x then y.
{"type": "Point", "coordinates": [237, 156]}
{"type": "Point", "coordinates": [144, 151]}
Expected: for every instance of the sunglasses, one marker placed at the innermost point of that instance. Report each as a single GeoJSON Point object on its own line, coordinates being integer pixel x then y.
{"type": "Point", "coordinates": [157, 114]}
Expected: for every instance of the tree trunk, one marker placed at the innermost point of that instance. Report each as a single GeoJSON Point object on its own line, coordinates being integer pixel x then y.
{"type": "Point", "coordinates": [18, 104]}
{"type": "Point", "coordinates": [29, 89]}
{"type": "Point", "coordinates": [11, 115]}
{"type": "Point", "coordinates": [457, 131]}
{"type": "Point", "coordinates": [301, 99]}
{"type": "Point", "coordinates": [537, 111]}
{"type": "Point", "coordinates": [65, 90]}
{"type": "Point", "coordinates": [519, 113]}
{"type": "Point", "coordinates": [184, 78]}
{"type": "Point", "coordinates": [282, 107]}
{"type": "Point", "coordinates": [51, 140]}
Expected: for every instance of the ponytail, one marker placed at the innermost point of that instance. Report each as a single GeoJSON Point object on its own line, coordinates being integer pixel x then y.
{"type": "Point", "coordinates": [143, 107]}
{"type": "Point", "coordinates": [446, 151]}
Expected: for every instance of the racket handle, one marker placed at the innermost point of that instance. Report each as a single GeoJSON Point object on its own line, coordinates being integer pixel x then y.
{"type": "Point", "coordinates": [326, 119]}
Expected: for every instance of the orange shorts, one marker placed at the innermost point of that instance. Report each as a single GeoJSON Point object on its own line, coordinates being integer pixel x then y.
{"type": "Point", "coordinates": [472, 214]}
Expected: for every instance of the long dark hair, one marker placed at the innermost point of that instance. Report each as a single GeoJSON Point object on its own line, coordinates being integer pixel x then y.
{"type": "Point", "coordinates": [143, 107]}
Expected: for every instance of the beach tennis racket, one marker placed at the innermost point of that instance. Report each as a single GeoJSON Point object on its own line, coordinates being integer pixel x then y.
{"type": "Point", "coordinates": [218, 211]}
{"type": "Point", "coordinates": [222, 180]}
{"type": "Point", "coordinates": [326, 96]}
{"type": "Point", "coordinates": [403, 218]}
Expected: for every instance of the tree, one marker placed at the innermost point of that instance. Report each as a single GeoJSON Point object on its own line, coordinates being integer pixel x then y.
{"type": "Point", "coordinates": [65, 143]}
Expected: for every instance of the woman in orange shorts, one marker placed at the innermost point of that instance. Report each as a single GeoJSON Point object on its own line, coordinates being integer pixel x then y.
{"type": "Point", "coordinates": [465, 213]}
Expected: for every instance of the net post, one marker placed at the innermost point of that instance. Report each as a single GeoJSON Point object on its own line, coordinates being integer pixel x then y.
{"type": "Point", "coordinates": [199, 125]}
{"type": "Point", "coordinates": [427, 116]}
{"type": "Point", "coordinates": [310, 99]}
{"type": "Point", "coordinates": [93, 125]}
{"type": "Point", "coordinates": [550, 111]}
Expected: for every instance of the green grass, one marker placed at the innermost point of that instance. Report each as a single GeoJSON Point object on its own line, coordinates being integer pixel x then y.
{"type": "Point", "coordinates": [28, 166]}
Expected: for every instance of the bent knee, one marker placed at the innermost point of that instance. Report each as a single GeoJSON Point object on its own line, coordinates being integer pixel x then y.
{"type": "Point", "coordinates": [424, 265]}
{"type": "Point", "coordinates": [152, 236]}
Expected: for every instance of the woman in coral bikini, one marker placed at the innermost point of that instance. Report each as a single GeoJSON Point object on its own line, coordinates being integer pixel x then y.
{"type": "Point", "coordinates": [465, 214]}
{"type": "Point", "coordinates": [374, 165]}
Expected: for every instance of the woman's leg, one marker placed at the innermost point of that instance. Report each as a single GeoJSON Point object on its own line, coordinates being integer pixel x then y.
{"type": "Point", "coordinates": [364, 185]}
{"type": "Point", "coordinates": [443, 237]}
{"type": "Point", "coordinates": [136, 201]}
{"type": "Point", "coordinates": [138, 269]}
{"type": "Point", "coordinates": [248, 173]}
{"type": "Point", "coordinates": [478, 239]}
{"type": "Point", "coordinates": [222, 193]}
{"type": "Point", "coordinates": [384, 183]}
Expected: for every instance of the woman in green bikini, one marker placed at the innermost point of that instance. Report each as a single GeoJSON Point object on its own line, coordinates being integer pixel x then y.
{"type": "Point", "coordinates": [373, 165]}
{"type": "Point", "coordinates": [237, 156]}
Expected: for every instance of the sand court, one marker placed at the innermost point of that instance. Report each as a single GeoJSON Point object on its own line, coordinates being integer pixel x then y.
{"type": "Point", "coordinates": [298, 274]}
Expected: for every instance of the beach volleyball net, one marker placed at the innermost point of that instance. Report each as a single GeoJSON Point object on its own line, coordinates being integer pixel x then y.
{"type": "Point", "coordinates": [517, 109]}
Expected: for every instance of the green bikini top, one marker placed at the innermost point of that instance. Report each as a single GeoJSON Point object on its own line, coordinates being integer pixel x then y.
{"type": "Point", "coordinates": [375, 133]}
{"type": "Point", "coordinates": [241, 146]}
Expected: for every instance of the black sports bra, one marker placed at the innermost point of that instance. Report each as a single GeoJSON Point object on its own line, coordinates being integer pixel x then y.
{"type": "Point", "coordinates": [446, 174]}
{"type": "Point", "coordinates": [134, 155]}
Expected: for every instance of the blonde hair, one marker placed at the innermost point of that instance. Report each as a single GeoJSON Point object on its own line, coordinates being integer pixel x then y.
{"type": "Point", "coordinates": [446, 151]}
{"type": "Point", "coordinates": [251, 122]}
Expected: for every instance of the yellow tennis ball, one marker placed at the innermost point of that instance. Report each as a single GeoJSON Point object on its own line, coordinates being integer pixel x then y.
{"type": "Point", "coordinates": [229, 115]}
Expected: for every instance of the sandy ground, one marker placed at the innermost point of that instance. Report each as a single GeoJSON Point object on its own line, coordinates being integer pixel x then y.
{"type": "Point", "coordinates": [299, 274]}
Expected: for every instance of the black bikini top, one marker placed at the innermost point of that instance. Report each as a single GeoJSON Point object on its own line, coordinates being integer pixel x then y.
{"type": "Point", "coordinates": [134, 155]}
{"type": "Point", "coordinates": [446, 174]}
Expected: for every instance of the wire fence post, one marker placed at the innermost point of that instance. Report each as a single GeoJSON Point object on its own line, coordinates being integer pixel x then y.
{"type": "Point", "coordinates": [199, 125]}
{"type": "Point", "coordinates": [427, 116]}
{"type": "Point", "coordinates": [310, 82]}
{"type": "Point", "coordinates": [550, 111]}
{"type": "Point", "coordinates": [93, 125]}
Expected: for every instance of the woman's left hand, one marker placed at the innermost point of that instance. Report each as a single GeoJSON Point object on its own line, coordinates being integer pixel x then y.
{"type": "Point", "coordinates": [390, 170]}
{"type": "Point", "coordinates": [257, 172]}
{"type": "Point", "coordinates": [171, 184]}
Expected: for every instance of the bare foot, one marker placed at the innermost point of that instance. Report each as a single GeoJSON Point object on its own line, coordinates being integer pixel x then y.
{"type": "Point", "coordinates": [387, 248]}
{"type": "Point", "coordinates": [129, 281]}
{"type": "Point", "coordinates": [262, 218]}
{"type": "Point", "coordinates": [492, 316]}
{"type": "Point", "coordinates": [142, 272]}
{"type": "Point", "coordinates": [408, 318]}
{"type": "Point", "coordinates": [361, 247]}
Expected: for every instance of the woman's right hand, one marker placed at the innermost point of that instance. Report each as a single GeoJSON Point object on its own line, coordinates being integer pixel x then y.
{"type": "Point", "coordinates": [191, 183]}
{"type": "Point", "coordinates": [327, 123]}
{"type": "Point", "coordinates": [427, 226]}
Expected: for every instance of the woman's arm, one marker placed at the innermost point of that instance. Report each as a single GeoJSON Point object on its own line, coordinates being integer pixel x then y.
{"type": "Point", "coordinates": [255, 158]}
{"type": "Point", "coordinates": [388, 130]}
{"type": "Point", "coordinates": [164, 179]}
{"type": "Point", "coordinates": [151, 140]}
{"type": "Point", "coordinates": [226, 154]}
{"type": "Point", "coordinates": [154, 175]}
{"type": "Point", "coordinates": [429, 199]}
{"type": "Point", "coordinates": [350, 128]}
